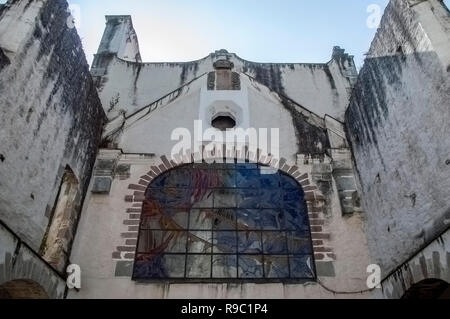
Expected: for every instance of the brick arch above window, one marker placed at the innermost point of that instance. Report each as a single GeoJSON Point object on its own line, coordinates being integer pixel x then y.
{"type": "Point", "coordinates": [314, 201]}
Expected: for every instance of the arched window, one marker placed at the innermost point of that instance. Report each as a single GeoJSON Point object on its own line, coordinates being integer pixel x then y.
{"type": "Point", "coordinates": [213, 222]}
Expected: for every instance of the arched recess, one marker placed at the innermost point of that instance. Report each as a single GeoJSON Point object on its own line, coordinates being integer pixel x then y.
{"type": "Point", "coordinates": [224, 221]}
{"type": "Point", "coordinates": [58, 239]}
{"type": "Point", "coordinates": [22, 289]}
{"type": "Point", "coordinates": [428, 289]}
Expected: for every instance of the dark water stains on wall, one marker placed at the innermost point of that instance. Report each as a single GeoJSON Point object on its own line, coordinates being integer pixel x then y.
{"type": "Point", "coordinates": [311, 139]}
{"type": "Point", "coordinates": [2, 9]}
{"type": "Point", "coordinates": [267, 74]}
{"type": "Point", "coordinates": [187, 68]}
{"type": "Point", "coordinates": [111, 30]}
{"type": "Point", "coordinates": [68, 65]}
{"type": "Point", "coordinates": [368, 107]}
{"type": "Point", "coordinates": [137, 67]}
{"type": "Point", "coordinates": [330, 77]}
{"type": "Point", "coordinates": [397, 124]}
{"type": "Point", "coordinates": [4, 61]}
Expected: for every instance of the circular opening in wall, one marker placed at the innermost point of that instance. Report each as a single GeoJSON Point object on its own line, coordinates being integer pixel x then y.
{"type": "Point", "coordinates": [223, 122]}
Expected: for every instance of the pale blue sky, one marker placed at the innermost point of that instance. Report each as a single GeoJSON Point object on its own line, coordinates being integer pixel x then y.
{"type": "Point", "coordinates": [256, 30]}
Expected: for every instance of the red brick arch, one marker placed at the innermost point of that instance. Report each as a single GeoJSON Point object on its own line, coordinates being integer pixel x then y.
{"type": "Point", "coordinates": [22, 289]}
{"type": "Point", "coordinates": [315, 201]}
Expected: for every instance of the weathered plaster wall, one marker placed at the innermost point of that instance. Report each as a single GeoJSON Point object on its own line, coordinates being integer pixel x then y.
{"type": "Point", "coordinates": [398, 126]}
{"type": "Point", "coordinates": [120, 39]}
{"type": "Point", "coordinates": [323, 88]}
{"type": "Point", "coordinates": [50, 114]}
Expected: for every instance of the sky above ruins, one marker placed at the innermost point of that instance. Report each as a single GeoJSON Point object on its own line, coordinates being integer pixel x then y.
{"type": "Point", "coordinates": [256, 30]}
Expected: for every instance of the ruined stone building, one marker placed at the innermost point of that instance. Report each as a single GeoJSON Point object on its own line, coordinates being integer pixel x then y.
{"type": "Point", "coordinates": [89, 175]}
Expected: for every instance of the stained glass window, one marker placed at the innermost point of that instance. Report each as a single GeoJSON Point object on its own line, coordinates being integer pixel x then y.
{"type": "Point", "coordinates": [224, 221]}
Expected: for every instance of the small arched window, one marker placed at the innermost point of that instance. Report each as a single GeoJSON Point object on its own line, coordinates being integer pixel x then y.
{"type": "Point", "coordinates": [214, 222]}
{"type": "Point", "coordinates": [223, 122]}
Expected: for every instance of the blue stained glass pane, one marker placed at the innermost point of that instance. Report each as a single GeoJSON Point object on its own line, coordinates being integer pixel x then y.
{"type": "Point", "coordinates": [301, 267]}
{"type": "Point", "coordinates": [180, 215]}
{"type": "Point", "coordinates": [200, 242]}
{"type": "Point", "coordinates": [178, 178]}
{"type": "Point", "coordinates": [225, 242]}
{"type": "Point", "coordinates": [271, 219]}
{"type": "Point", "coordinates": [249, 243]}
{"type": "Point", "coordinates": [269, 180]}
{"type": "Point", "coordinates": [201, 219]}
{"type": "Point", "coordinates": [249, 219]}
{"type": "Point", "coordinates": [159, 266]}
{"type": "Point", "coordinates": [296, 220]}
{"type": "Point", "coordinates": [227, 178]}
{"type": "Point", "coordinates": [202, 198]}
{"type": "Point", "coordinates": [293, 199]}
{"type": "Point", "coordinates": [246, 166]}
{"type": "Point", "coordinates": [276, 267]}
{"type": "Point", "coordinates": [274, 242]}
{"type": "Point", "coordinates": [269, 198]}
{"type": "Point", "coordinates": [224, 219]}
{"type": "Point", "coordinates": [160, 181]}
{"type": "Point", "coordinates": [299, 243]}
{"type": "Point", "coordinates": [224, 266]}
{"type": "Point", "coordinates": [250, 267]}
{"type": "Point", "coordinates": [225, 198]}
{"type": "Point", "coordinates": [248, 178]}
{"type": "Point", "coordinates": [249, 198]}
{"type": "Point", "coordinates": [198, 266]}
{"type": "Point", "coordinates": [157, 195]}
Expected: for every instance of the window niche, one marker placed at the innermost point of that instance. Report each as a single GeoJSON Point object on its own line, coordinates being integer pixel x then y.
{"type": "Point", "coordinates": [59, 237]}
